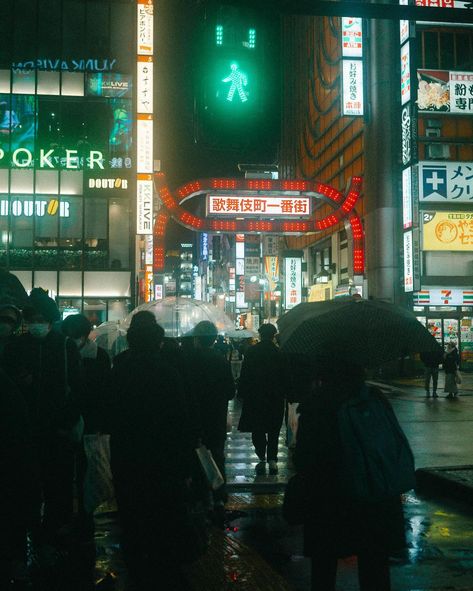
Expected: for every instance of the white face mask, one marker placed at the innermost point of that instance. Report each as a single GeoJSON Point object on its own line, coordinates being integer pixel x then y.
{"type": "Point", "coordinates": [39, 329]}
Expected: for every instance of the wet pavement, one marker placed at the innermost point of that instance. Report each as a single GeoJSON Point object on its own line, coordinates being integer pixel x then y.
{"type": "Point", "coordinates": [257, 550]}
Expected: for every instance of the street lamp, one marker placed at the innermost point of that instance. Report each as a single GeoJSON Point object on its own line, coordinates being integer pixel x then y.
{"type": "Point", "coordinates": [262, 281]}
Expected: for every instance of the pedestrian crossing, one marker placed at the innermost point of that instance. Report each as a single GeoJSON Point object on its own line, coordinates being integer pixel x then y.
{"type": "Point", "coordinates": [241, 460]}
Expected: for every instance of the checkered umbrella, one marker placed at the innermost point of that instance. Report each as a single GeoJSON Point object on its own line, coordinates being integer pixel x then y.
{"type": "Point", "coordinates": [366, 332]}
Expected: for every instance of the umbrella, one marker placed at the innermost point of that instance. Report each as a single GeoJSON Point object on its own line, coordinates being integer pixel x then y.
{"type": "Point", "coordinates": [366, 332]}
{"type": "Point", "coordinates": [241, 333]}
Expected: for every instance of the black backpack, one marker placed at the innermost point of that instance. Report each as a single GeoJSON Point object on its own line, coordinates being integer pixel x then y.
{"type": "Point", "coordinates": [377, 461]}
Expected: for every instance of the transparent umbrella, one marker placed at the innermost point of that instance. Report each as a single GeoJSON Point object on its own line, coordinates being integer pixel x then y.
{"type": "Point", "coordinates": [111, 336]}
{"type": "Point", "coordinates": [179, 315]}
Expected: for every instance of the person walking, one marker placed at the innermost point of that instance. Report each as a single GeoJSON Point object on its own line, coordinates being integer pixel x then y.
{"type": "Point", "coordinates": [263, 387]}
{"type": "Point", "coordinates": [431, 361]}
{"type": "Point", "coordinates": [451, 363]}
{"type": "Point", "coordinates": [151, 455]}
{"type": "Point", "coordinates": [10, 321]}
{"type": "Point", "coordinates": [335, 525]}
{"type": "Point", "coordinates": [46, 369]}
{"type": "Point", "coordinates": [213, 387]}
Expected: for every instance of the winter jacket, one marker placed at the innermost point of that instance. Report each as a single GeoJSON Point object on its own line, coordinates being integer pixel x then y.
{"type": "Point", "coordinates": [263, 387]}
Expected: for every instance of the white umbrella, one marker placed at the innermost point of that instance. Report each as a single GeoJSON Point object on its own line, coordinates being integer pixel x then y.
{"type": "Point", "coordinates": [241, 333]}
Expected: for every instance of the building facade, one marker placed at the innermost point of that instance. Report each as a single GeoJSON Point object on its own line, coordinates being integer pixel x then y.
{"type": "Point", "coordinates": [68, 151]}
{"type": "Point", "coordinates": [390, 101]}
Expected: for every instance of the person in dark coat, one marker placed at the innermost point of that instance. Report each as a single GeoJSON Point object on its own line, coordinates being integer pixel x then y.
{"type": "Point", "coordinates": [19, 477]}
{"type": "Point", "coordinates": [212, 383]}
{"type": "Point", "coordinates": [431, 361]}
{"type": "Point", "coordinates": [151, 455]}
{"type": "Point", "coordinates": [263, 387]}
{"type": "Point", "coordinates": [336, 526]}
{"type": "Point", "coordinates": [46, 369]}
{"type": "Point", "coordinates": [10, 320]}
{"type": "Point", "coordinates": [451, 363]}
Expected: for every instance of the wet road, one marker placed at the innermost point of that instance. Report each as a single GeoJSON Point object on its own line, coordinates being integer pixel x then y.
{"type": "Point", "coordinates": [258, 551]}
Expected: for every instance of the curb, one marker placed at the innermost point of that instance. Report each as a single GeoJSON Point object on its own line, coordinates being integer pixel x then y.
{"type": "Point", "coordinates": [450, 481]}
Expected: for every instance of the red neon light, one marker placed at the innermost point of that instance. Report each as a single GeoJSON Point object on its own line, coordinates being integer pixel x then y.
{"type": "Point", "coordinates": [167, 198]}
{"type": "Point", "coordinates": [259, 185]}
{"type": "Point", "coordinates": [356, 228]}
{"type": "Point", "coordinates": [190, 188]}
{"type": "Point", "coordinates": [160, 225]}
{"type": "Point", "coordinates": [294, 185]}
{"type": "Point", "coordinates": [223, 225]}
{"type": "Point", "coordinates": [223, 183]}
{"type": "Point", "coordinates": [358, 260]}
{"type": "Point", "coordinates": [158, 258]}
{"type": "Point", "coordinates": [327, 222]}
{"type": "Point", "coordinates": [191, 220]}
{"type": "Point", "coordinates": [329, 192]}
{"type": "Point", "coordinates": [350, 201]}
{"type": "Point", "coordinates": [259, 226]}
{"type": "Point", "coordinates": [295, 227]}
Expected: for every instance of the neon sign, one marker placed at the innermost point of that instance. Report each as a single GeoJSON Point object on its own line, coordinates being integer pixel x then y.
{"type": "Point", "coordinates": [238, 80]}
{"type": "Point", "coordinates": [82, 65]}
{"type": "Point", "coordinates": [260, 205]}
{"type": "Point", "coordinates": [24, 158]}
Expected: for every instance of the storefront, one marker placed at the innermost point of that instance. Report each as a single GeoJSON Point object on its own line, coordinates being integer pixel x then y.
{"type": "Point", "coordinates": [67, 169]}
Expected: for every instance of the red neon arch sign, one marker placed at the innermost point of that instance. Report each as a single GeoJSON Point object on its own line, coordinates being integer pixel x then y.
{"type": "Point", "coordinates": [344, 210]}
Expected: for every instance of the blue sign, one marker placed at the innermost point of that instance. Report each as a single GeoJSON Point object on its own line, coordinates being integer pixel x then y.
{"type": "Point", "coordinates": [434, 181]}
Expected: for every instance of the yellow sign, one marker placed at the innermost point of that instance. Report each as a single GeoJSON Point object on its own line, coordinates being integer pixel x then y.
{"type": "Point", "coordinates": [447, 230]}
{"type": "Point", "coordinates": [320, 293]}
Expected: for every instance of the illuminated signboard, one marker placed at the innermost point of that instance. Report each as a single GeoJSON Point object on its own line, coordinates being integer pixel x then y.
{"type": "Point", "coordinates": [443, 296]}
{"type": "Point", "coordinates": [52, 159]}
{"type": "Point", "coordinates": [407, 198]}
{"type": "Point", "coordinates": [403, 25]}
{"type": "Point", "coordinates": [109, 85]}
{"type": "Point", "coordinates": [75, 65]}
{"type": "Point", "coordinates": [442, 91]}
{"type": "Point", "coordinates": [144, 143]}
{"type": "Point", "coordinates": [34, 207]}
{"type": "Point", "coordinates": [408, 262]}
{"type": "Point", "coordinates": [352, 37]}
{"type": "Point", "coordinates": [144, 85]}
{"type": "Point", "coordinates": [441, 182]}
{"type": "Point", "coordinates": [447, 230]}
{"type": "Point", "coordinates": [293, 284]}
{"type": "Point", "coordinates": [145, 26]}
{"type": "Point", "coordinates": [405, 74]}
{"type": "Point", "coordinates": [260, 205]}
{"type": "Point", "coordinates": [352, 76]}
{"type": "Point", "coordinates": [144, 199]}
{"type": "Point", "coordinates": [114, 183]}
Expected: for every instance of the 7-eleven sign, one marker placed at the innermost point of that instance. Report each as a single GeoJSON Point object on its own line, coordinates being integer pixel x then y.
{"type": "Point", "coordinates": [446, 295]}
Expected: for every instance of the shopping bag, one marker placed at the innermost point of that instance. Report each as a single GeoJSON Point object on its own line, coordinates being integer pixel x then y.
{"type": "Point", "coordinates": [98, 482]}
{"type": "Point", "coordinates": [210, 468]}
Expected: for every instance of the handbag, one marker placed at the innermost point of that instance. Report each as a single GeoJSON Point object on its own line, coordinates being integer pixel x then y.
{"type": "Point", "coordinates": [210, 468]}
{"type": "Point", "coordinates": [458, 377]}
{"type": "Point", "coordinates": [295, 503]}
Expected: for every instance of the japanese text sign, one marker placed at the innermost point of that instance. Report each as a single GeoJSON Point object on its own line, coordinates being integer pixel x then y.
{"type": "Point", "coordinates": [447, 230]}
{"type": "Point", "coordinates": [352, 37]}
{"type": "Point", "coordinates": [352, 76]}
{"type": "Point", "coordinates": [293, 281]}
{"type": "Point", "coordinates": [258, 206]}
{"type": "Point", "coordinates": [445, 182]}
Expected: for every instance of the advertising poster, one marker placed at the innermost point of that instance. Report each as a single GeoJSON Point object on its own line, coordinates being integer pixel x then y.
{"type": "Point", "coordinates": [445, 182]}
{"type": "Point", "coordinates": [407, 198]}
{"type": "Point", "coordinates": [120, 137]}
{"type": "Point", "coordinates": [408, 262]}
{"type": "Point", "coordinates": [443, 91]}
{"type": "Point", "coordinates": [443, 230]}
{"type": "Point", "coordinates": [108, 85]}
{"type": "Point", "coordinates": [144, 204]}
{"type": "Point", "coordinates": [405, 74]}
{"type": "Point", "coordinates": [17, 127]}
{"type": "Point", "coordinates": [293, 281]}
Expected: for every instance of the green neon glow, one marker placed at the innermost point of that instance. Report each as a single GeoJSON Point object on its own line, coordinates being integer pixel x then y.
{"type": "Point", "coordinates": [219, 35]}
{"type": "Point", "coordinates": [238, 80]}
{"type": "Point", "coordinates": [252, 38]}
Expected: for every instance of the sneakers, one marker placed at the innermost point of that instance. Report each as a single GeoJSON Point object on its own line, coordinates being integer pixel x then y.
{"type": "Point", "coordinates": [260, 468]}
{"type": "Point", "coordinates": [273, 467]}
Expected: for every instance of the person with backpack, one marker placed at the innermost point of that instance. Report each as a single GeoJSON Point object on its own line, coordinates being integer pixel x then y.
{"type": "Point", "coordinates": [350, 507]}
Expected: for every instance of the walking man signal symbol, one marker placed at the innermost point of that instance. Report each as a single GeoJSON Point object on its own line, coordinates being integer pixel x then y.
{"type": "Point", "coordinates": [238, 80]}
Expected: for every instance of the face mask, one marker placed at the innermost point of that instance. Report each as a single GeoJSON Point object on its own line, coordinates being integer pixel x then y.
{"type": "Point", "coordinates": [6, 329]}
{"type": "Point", "coordinates": [38, 330]}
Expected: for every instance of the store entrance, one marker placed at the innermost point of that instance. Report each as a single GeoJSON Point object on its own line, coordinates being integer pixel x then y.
{"type": "Point", "coordinates": [452, 327]}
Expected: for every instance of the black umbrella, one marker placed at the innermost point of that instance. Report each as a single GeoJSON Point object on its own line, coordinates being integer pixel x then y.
{"type": "Point", "coordinates": [365, 332]}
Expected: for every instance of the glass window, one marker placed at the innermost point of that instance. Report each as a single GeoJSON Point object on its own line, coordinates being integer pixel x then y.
{"type": "Point", "coordinates": [119, 233]}
{"type": "Point", "coordinates": [21, 181]}
{"type": "Point", "coordinates": [46, 221]}
{"type": "Point", "coordinates": [6, 34]}
{"type": "Point", "coordinates": [47, 181]}
{"type": "Point", "coordinates": [49, 126]}
{"type": "Point", "coordinates": [98, 29]}
{"type": "Point", "coordinates": [21, 227]}
{"type": "Point", "coordinates": [17, 127]}
{"type": "Point", "coordinates": [431, 59]}
{"type": "Point", "coordinates": [95, 237]}
{"type": "Point", "coordinates": [95, 311]}
{"type": "Point", "coordinates": [49, 29]}
{"type": "Point", "coordinates": [71, 182]}
{"type": "Point", "coordinates": [4, 234]}
{"type": "Point", "coordinates": [24, 81]}
{"type": "Point", "coordinates": [48, 82]}
{"type": "Point", "coordinates": [24, 37]}
{"type": "Point", "coordinates": [70, 221]}
{"type": "Point", "coordinates": [73, 29]}
{"type": "Point", "coordinates": [68, 306]}
{"type": "Point", "coordinates": [447, 53]}
{"type": "Point", "coordinates": [121, 17]}
{"type": "Point", "coordinates": [72, 84]}
{"type": "Point", "coordinates": [462, 47]}
{"type": "Point", "coordinates": [117, 310]}
{"type": "Point", "coordinates": [5, 81]}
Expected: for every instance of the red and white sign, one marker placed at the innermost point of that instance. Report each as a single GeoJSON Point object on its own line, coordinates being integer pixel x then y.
{"type": "Point", "coordinates": [293, 273]}
{"type": "Point", "coordinates": [443, 297]}
{"type": "Point", "coordinates": [258, 206]}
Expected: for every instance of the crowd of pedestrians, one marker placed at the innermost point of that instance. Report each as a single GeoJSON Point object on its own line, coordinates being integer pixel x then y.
{"type": "Point", "coordinates": [157, 402]}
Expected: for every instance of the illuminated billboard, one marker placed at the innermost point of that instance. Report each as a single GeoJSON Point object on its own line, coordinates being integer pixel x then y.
{"type": "Point", "coordinates": [258, 206]}
{"type": "Point", "coordinates": [443, 91]}
{"type": "Point", "coordinates": [352, 95]}
{"type": "Point", "coordinates": [447, 230]}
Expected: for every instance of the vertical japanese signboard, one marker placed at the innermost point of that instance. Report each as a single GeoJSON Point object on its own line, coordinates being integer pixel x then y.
{"type": "Point", "coordinates": [293, 277]}
{"type": "Point", "coordinates": [352, 66]}
{"type": "Point", "coordinates": [144, 116]}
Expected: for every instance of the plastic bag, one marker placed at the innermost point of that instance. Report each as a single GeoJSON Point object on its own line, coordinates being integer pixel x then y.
{"type": "Point", "coordinates": [210, 468]}
{"type": "Point", "coordinates": [98, 482]}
